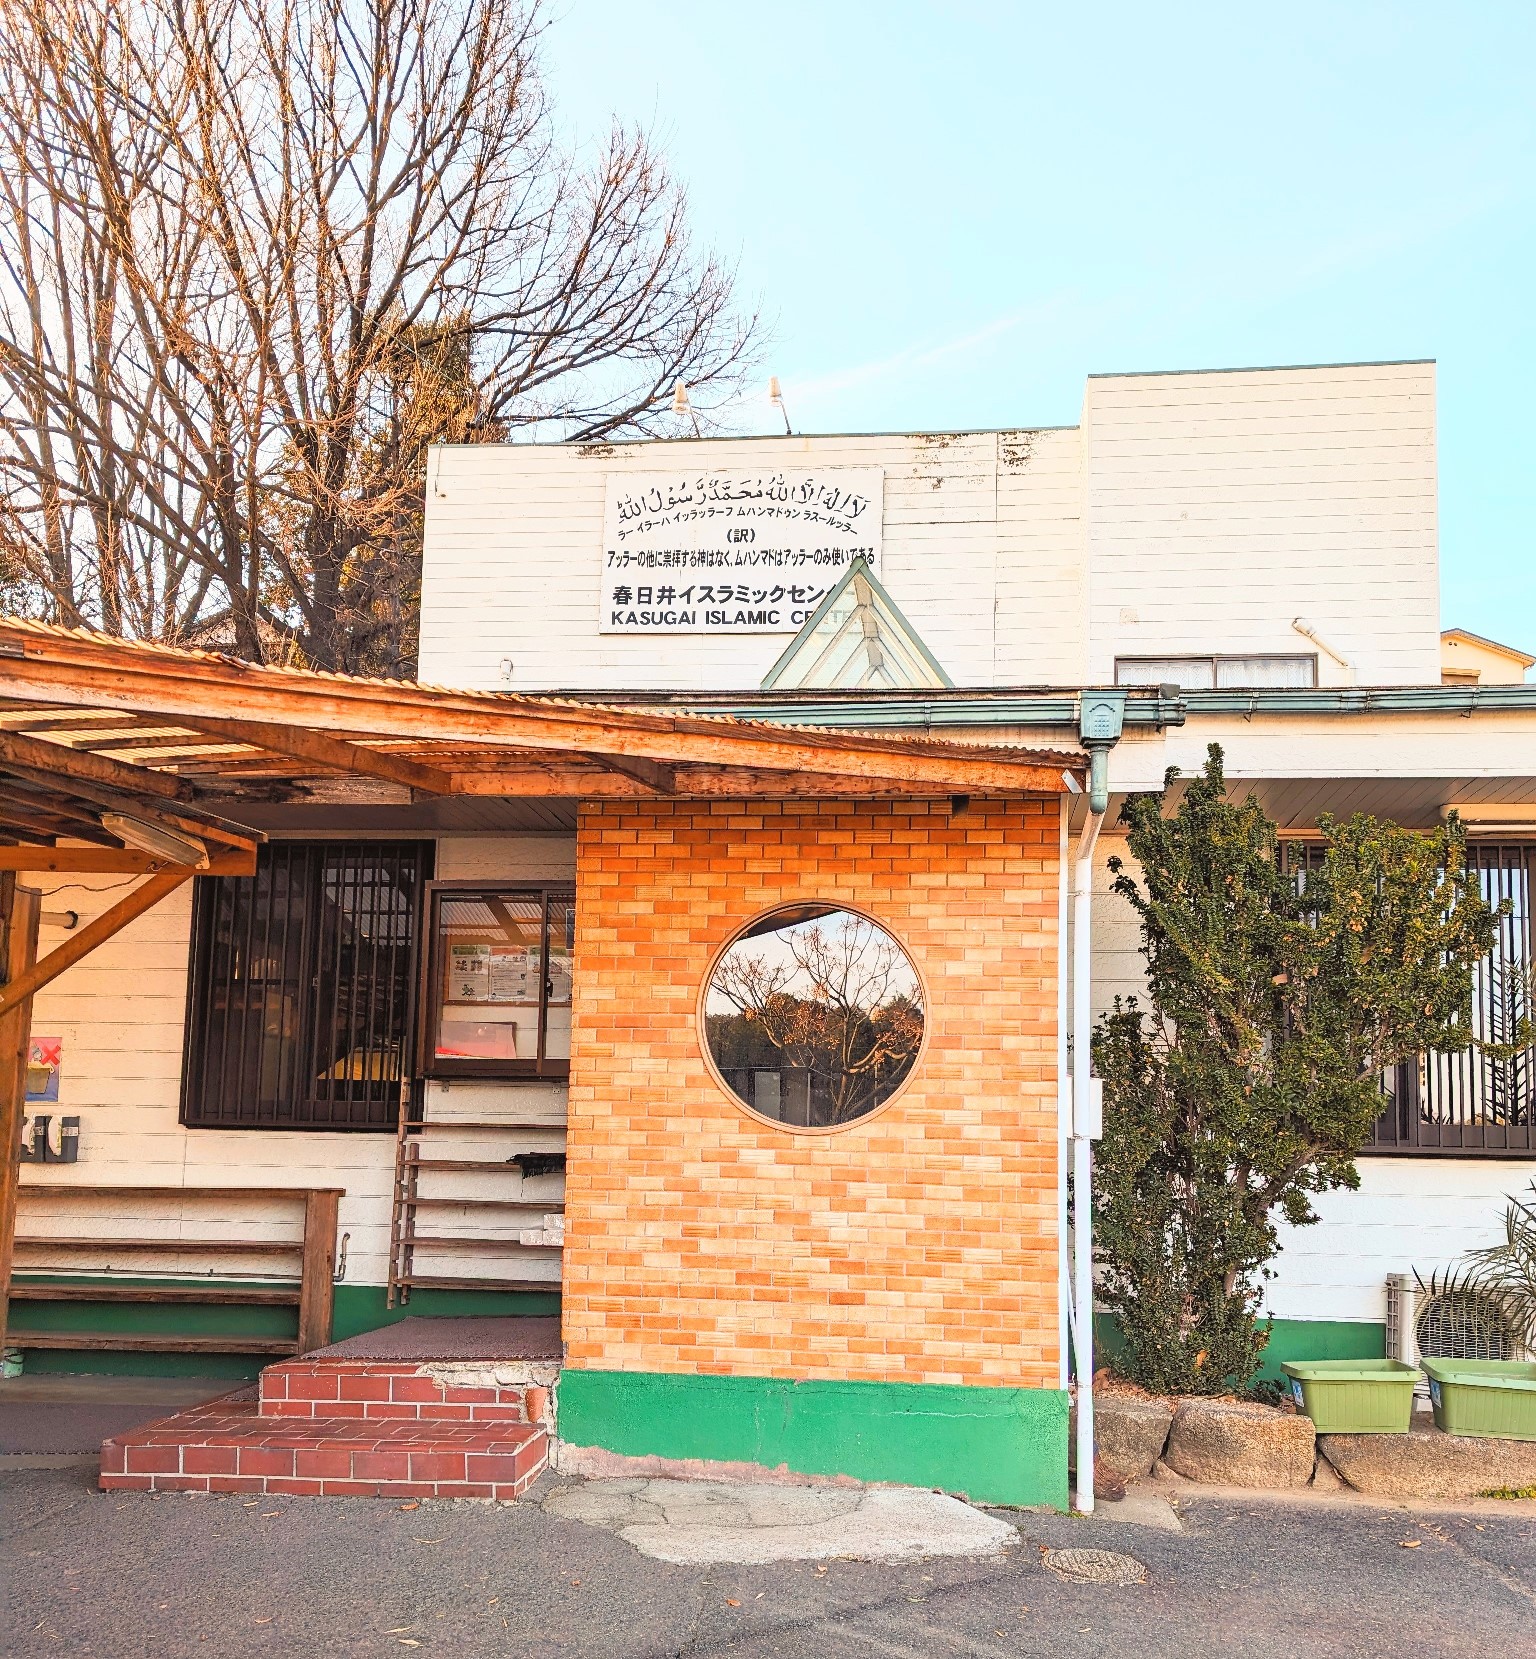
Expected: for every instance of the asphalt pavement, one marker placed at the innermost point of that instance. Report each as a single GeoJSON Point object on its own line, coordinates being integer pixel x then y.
{"type": "Point", "coordinates": [125, 1574]}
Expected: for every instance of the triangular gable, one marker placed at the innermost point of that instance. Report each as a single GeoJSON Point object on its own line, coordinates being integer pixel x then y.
{"type": "Point", "coordinates": [856, 638]}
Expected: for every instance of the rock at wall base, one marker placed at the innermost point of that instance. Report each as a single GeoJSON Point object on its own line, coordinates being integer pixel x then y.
{"type": "Point", "coordinates": [1325, 1478]}
{"type": "Point", "coordinates": [1233, 1443]}
{"type": "Point", "coordinates": [1129, 1433]}
{"type": "Point", "coordinates": [1424, 1463]}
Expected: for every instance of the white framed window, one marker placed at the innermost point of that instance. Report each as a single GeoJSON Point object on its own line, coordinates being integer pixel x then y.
{"type": "Point", "coordinates": [1218, 673]}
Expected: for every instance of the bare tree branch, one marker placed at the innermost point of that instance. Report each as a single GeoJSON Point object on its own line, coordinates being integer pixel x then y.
{"type": "Point", "coordinates": [256, 256]}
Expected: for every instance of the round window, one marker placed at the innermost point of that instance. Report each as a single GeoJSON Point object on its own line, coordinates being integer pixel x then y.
{"type": "Point", "coordinates": [813, 1016]}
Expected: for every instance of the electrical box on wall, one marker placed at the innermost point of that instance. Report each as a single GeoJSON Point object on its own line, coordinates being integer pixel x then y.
{"type": "Point", "coordinates": [37, 1146]}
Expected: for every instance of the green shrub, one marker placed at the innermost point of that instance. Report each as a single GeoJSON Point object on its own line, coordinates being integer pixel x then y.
{"type": "Point", "coordinates": [1278, 999]}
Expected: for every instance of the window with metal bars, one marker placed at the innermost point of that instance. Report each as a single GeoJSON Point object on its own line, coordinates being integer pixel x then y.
{"type": "Point", "coordinates": [302, 996]}
{"type": "Point", "coordinates": [1475, 1103]}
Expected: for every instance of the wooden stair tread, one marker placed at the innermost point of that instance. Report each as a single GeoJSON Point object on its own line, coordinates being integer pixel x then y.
{"type": "Point", "coordinates": [56, 1187]}
{"type": "Point", "coordinates": [459, 1241]}
{"type": "Point", "coordinates": [485, 1123]}
{"type": "Point", "coordinates": [437, 1281]}
{"type": "Point", "coordinates": [219, 1246]}
{"type": "Point", "coordinates": [503, 1164]}
{"type": "Point", "coordinates": [261, 1296]}
{"type": "Point", "coordinates": [486, 1204]}
{"type": "Point", "coordinates": [153, 1342]}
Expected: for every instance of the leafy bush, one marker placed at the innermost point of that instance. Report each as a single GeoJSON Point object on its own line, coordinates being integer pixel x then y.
{"type": "Point", "coordinates": [1278, 999]}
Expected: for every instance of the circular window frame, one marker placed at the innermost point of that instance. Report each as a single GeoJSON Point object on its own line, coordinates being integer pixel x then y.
{"type": "Point", "coordinates": [701, 1029]}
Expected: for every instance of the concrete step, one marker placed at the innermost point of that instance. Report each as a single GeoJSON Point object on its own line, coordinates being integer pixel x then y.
{"type": "Point", "coordinates": [228, 1446]}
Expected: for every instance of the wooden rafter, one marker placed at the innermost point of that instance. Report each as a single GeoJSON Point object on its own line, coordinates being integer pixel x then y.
{"type": "Point", "coordinates": [47, 666]}
{"type": "Point", "coordinates": [25, 986]}
{"type": "Point", "coordinates": [653, 776]}
{"type": "Point", "coordinates": [61, 760]}
{"type": "Point", "coordinates": [332, 753]}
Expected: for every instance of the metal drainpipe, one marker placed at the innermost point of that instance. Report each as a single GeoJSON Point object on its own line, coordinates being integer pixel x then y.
{"type": "Point", "coordinates": [1064, 1086]}
{"type": "Point", "coordinates": [1082, 1151]}
{"type": "Point", "coordinates": [1101, 719]}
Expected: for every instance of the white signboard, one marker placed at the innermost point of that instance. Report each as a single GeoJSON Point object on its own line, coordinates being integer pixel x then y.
{"type": "Point", "coordinates": [740, 552]}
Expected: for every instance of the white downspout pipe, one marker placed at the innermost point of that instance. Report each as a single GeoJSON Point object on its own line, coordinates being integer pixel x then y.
{"type": "Point", "coordinates": [1064, 1089]}
{"type": "Point", "coordinates": [1085, 1112]}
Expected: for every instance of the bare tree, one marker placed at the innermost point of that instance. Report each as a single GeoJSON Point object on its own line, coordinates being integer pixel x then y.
{"type": "Point", "coordinates": [256, 256]}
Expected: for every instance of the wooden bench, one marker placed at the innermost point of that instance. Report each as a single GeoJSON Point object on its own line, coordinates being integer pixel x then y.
{"type": "Point", "coordinates": [311, 1292]}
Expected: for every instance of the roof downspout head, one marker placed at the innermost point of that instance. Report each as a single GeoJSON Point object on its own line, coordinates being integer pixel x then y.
{"type": "Point", "coordinates": [1100, 721]}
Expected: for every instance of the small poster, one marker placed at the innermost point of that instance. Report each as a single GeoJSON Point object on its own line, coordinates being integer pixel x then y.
{"type": "Point", "coordinates": [469, 973]}
{"type": "Point", "coordinates": [514, 973]}
{"type": "Point", "coordinates": [44, 1058]}
{"type": "Point", "coordinates": [560, 979]}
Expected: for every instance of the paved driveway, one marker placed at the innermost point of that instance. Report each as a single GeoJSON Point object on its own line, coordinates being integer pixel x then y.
{"type": "Point", "coordinates": [123, 1575]}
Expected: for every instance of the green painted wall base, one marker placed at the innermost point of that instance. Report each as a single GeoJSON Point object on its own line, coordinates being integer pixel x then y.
{"type": "Point", "coordinates": [1289, 1339]}
{"type": "Point", "coordinates": [996, 1445]}
{"type": "Point", "coordinates": [358, 1308]}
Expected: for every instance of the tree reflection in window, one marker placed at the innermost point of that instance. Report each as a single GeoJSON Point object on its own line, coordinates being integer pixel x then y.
{"type": "Point", "coordinates": [814, 1016]}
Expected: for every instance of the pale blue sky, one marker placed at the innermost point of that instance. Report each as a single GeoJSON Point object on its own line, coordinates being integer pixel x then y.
{"type": "Point", "coordinates": [951, 213]}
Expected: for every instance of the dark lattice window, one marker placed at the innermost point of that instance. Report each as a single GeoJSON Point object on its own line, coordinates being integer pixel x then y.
{"type": "Point", "coordinates": [1481, 1101]}
{"type": "Point", "coordinates": [301, 1001]}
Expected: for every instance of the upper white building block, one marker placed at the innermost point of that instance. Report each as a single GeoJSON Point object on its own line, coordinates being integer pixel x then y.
{"type": "Point", "coordinates": [1189, 514]}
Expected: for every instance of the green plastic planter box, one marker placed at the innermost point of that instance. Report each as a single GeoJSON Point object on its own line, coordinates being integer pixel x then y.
{"type": "Point", "coordinates": [1492, 1397]}
{"type": "Point", "coordinates": [1354, 1396]}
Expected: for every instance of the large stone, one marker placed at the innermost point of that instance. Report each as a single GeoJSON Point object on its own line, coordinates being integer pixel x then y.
{"type": "Point", "coordinates": [1129, 1433]}
{"type": "Point", "coordinates": [1424, 1463]}
{"type": "Point", "coordinates": [1232, 1443]}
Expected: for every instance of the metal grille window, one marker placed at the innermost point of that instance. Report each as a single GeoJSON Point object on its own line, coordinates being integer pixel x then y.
{"type": "Point", "coordinates": [1476, 1102]}
{"type": "Point", "coordinates": [301, 999]}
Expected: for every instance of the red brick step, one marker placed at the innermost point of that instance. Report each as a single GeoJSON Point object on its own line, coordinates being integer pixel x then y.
{"type": "Point", "coordinates": [228, 1446]}
{"type": "Point", "coordinates": [374, 1390]}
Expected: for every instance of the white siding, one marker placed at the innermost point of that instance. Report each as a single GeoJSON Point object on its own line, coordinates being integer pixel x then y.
{"type": "Point", "coordinates": [120, 1013]}
{"type": "Point", "coordinates": [1223, 506]}
{"type": "Point", "coordinates": [1193, 513]}
{"type": "Point", "coordinates": [1410, 1213]}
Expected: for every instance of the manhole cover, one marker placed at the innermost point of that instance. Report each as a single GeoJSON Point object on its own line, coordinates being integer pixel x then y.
{"type": "Point", "coordinates": [1094, 1567]}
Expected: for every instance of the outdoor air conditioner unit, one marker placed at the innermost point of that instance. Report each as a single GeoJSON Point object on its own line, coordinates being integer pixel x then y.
{"type": "Point", "coordinates": [1402, 1315]}
{"type": "Point", "coordinates": [1443, 1323]}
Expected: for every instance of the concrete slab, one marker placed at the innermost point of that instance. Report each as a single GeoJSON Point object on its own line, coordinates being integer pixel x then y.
{"type": "Point", "coordinates": [436, 1337]}
{"type": "Point", "coordinates": [1141, 1508]}
{"type": "Point", "coordinates": [693, 1522]}
{"type": "Point", "coordinates": [53, 1415]}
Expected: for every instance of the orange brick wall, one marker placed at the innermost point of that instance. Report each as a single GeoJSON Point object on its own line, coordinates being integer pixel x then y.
{"type": "Point", "coordinates": [918, 1245]}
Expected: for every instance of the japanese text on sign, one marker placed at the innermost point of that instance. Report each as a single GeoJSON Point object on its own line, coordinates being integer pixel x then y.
{"type": "Point", "coordinates": [733, 552]}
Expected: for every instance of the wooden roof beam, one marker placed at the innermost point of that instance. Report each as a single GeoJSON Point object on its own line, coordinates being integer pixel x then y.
{"type": "Point", "coordinates": [726, 781]}
{"type": "Point", "coordinates": [332, 753]}
{"type": "Point", "coordinates": [93, 860]}
{"type": "Point", "coordinates": [654, 776]}
{"type": "Point", "coordinates": [27, 984]}
{"type": "Point", "coordinates": [60, 760]}
{"type": "Point", "coordinates": [61, 669]}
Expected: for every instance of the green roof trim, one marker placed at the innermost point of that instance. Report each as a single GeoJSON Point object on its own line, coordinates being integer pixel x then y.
{"type": "Point", "coordinates": [886, 634]}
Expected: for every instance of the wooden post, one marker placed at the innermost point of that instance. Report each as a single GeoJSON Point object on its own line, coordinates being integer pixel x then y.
{"type": "Point", "coordinates": [20, 910]}
{"type": "Point", "coordinates": [316, 1285]}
